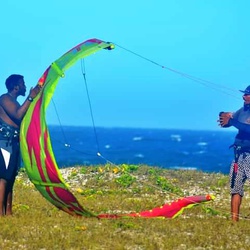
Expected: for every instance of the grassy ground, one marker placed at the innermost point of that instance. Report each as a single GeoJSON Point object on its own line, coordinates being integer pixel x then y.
{"type": "Point", "coordinates": [36, 224]}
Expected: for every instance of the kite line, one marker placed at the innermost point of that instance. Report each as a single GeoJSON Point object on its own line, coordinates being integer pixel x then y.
{"type": "Point", "coordinates": [222, 88]}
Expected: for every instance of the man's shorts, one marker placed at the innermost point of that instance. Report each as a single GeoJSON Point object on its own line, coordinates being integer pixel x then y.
{"type": "Point", "coordinates": [9, 159]}
{"type": "Point", "coordinates": [239, 173]}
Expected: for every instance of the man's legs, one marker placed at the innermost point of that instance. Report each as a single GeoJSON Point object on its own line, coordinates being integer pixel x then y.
{"type": "Point", "coordinates": [235, 206]}
{"type": "Point", "coordinates": [9, 197]}
{"type": "Point", "coordinates": [3, 184]}
{"type": "Point", "coordinates": [8, 205]}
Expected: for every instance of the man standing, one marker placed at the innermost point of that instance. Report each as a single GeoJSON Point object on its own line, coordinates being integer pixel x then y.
{"type": "Point", "coordinates": [11, 114]}
{"type": "Point", "coordinates": [240, 168]}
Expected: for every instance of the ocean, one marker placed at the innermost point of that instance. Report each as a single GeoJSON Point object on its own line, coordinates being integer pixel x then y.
{"type": "Point", "coordinates": [167, 148]}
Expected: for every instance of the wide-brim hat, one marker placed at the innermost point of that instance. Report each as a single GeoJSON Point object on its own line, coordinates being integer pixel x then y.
{"type": "Point", "coordinates": [246, 91]}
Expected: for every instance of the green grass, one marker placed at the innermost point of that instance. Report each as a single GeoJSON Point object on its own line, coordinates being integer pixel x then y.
{"type": "Point", "coordinates": [36, 224]}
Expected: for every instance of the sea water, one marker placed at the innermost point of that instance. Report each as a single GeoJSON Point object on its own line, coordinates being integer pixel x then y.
{"type": "Point", "coordinates": [167, 148]}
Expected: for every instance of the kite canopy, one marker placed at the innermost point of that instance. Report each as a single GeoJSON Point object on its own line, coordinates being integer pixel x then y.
{"type": "Point", "coordinates": [35, 142]}
{"type": "Point", "coordinates": [37, 152]}
{"type": "Point", "coordinates": [168, 210]}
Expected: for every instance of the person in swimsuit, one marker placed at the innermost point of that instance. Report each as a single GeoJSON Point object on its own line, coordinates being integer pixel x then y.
{"type": "Point", "coordinates": [11, 114]}
{"type": "Point", "coordinates": [240, 167]}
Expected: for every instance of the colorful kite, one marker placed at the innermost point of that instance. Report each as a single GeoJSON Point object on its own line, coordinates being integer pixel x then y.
{"type": "Point", "coordinates": [37, 152]}
{"type": "Point", "coordinates": [170, 210]}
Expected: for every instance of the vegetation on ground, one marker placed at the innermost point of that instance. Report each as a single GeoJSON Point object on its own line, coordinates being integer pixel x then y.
{"type": "Point", "coordinates": [36, 224]}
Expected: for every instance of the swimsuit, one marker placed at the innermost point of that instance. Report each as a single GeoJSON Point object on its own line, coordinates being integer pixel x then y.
{"type": "Point", "coordinates": [240, 167]}
{"type": "Point", "coordinates": [239, 173]}
{"type": "Point", "coordinates": [9, 151]}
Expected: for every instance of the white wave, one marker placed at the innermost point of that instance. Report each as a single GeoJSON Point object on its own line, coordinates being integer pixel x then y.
{"type": "Point", "coordinates": [175, 137]}
{"type": "Point", "coordinates": [137, 138]}
{"type": "Point", "coordinates": [139, 155]}
{"type": "Point", "coordinates": [184, 168]}
{"type": "Point", "coordinates": [199, 152]}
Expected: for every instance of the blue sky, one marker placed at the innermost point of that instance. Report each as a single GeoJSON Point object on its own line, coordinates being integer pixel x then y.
{"type": "Point", "coordinates": [205, 39]}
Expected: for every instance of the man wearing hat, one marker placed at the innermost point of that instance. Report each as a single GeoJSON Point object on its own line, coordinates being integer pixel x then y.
{"type": "Point", "coordinates": [240, 167]}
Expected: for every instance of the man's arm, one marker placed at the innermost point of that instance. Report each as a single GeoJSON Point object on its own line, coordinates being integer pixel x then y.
{"type": "Point", "coordinates": [239, 125]}
{"type": "Point", "coordinates": [13, 109]}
